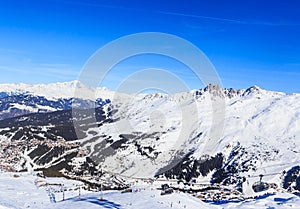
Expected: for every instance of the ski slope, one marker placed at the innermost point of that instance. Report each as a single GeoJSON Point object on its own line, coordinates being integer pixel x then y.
{"type": "Point", "coordinates": [25, 192]}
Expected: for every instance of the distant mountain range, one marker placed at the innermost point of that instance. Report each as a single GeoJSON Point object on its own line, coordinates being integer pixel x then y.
{"type": "Point", "coordinates": [21, 99]}
{"type": "Point", "coordinates": [145, 135]}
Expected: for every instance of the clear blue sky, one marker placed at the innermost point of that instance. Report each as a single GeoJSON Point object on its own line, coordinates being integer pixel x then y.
{"type": "Point", "coordinates": [249, 42]}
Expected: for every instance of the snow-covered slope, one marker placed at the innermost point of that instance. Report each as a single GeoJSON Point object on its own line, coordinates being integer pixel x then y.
{"type": "Point", "coordinates": [26, 191]}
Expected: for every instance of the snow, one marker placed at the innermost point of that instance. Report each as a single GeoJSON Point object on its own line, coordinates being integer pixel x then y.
{"type": "Point", "coordinates": [28, 191]}
{"type": "Point", "coordinates": [52, 91]}
{"type": "Point", "coordinates": [262, 121]}
{"type": "Point", "coordinates": [253, 116]}
{"type": "Point", "coordinates": [278, 201]}
{"type": "Point", "coordinates": [3, 207]}
{"type": "Point", "coordinates": [22, 192]}
{"type": "Point", "coordinates": [23, 107]}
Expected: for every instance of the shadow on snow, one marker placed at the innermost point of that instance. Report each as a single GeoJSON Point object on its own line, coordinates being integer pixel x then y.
{"type": "Point", "coordinates": [104, 203]}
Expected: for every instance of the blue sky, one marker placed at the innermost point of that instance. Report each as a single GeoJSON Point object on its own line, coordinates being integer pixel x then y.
{"type": "Point", "coordinates": [249, 42]}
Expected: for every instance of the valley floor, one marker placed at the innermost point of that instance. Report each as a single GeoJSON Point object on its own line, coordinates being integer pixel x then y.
{"type": "Point", "coordinates": [18, 191]}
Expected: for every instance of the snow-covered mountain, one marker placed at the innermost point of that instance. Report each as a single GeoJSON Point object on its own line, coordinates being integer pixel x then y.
{"type": "Point", "coordinates": [211, 135]}
{"type": "Point", "coordinates": [64, 90]}
{"type": "Point", "coordinates": [21, 99]}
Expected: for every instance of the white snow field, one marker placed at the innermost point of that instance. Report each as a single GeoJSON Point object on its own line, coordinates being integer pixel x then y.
{"type": "Point", "coordinates": [24, 190]}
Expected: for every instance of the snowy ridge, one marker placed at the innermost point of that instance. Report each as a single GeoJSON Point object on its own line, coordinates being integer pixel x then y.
{"type": "Point", "coordinates": [55, 91]}
{"type": "Point", "coordinates": [76, 89]}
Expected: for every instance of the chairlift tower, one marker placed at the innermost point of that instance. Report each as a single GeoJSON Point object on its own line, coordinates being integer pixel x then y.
{"type": "Point", "coordinates": [63, 191]}
{"type": "Point", "coordinates": [260, 177]}
{"type": "Point", "coordinates": [101, 191]}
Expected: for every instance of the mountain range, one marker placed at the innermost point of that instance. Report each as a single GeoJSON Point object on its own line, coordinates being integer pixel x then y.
{"type": "Point", "coordinates": [211, 135]}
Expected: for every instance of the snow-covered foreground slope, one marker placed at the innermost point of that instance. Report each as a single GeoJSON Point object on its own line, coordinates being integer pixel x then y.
{"type": "Point", "coordinates": [22, 192]}
{"type": "Point", "coordinates": [27, 191]}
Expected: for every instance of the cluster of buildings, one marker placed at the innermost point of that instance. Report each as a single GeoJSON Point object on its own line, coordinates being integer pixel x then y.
{"type": "Point", "coordinates": [12, 153]}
